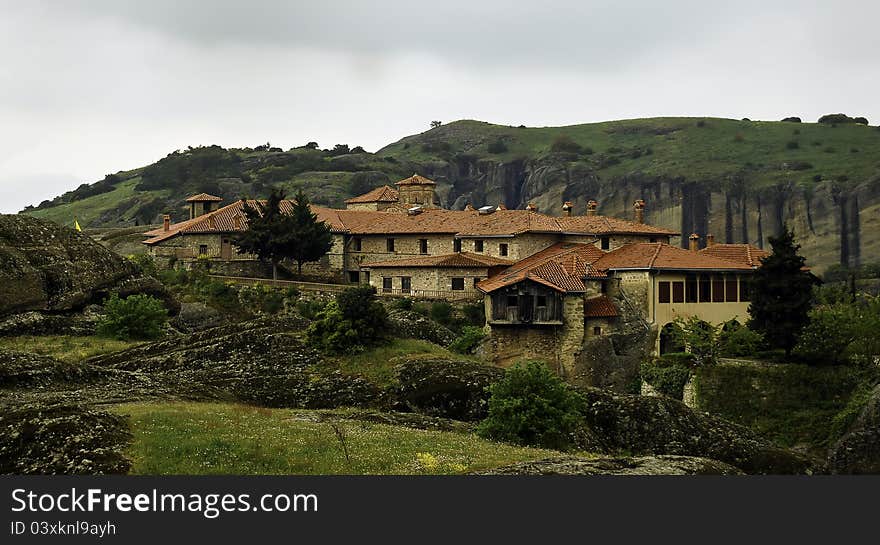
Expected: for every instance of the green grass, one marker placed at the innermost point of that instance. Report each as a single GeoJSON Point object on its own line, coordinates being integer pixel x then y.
{"type": "Point", "coordinates": [207, 438]}
{"type": "Point", "coordinates": [66, 348]}
{"type": "Point", "coordinates": [378, 363]}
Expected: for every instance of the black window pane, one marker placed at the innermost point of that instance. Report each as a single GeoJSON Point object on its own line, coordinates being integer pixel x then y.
{"type": "Point", "coordinates": [717, 290]}
{"type": "Point", "coordinates": [705, 289]}
{"type": "Point", "coordinates": [690, 290]}
{"type": "Point", "coordinates": [458, 283]}
{"type": "Point", "coordinates": [664, 292]}
{"type": "Point", "coordinates": [730, 289]}
{"type": "Point", "coordinates": [678, 292]}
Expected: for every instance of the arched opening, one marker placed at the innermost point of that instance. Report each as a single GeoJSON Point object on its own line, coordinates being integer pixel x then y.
{"type": "Point", "coordinates": [670, 339]}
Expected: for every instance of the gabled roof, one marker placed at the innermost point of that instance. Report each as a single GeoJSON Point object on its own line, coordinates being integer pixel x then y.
{"type": "Point", "coordinates": [660, 256]}
{"type": "Point", "coordinates": [739, 253]}
{"type": "Point", "coordinates": [561, 267]}
{"type": "Point", "coordinates": [600, 307]}
{"type": "Point", "coordinates": [416, 179]}
{"type": "Point", "coordinates": [221, 221]}
{"type": "Point", "coordinates": [203, 197]}
{"type": "Point", "coordinates": [380, 194]}
{"type": "Point", "coordinates": [600, 225]}
{"type": "Point", "coordinates": [463, 260]}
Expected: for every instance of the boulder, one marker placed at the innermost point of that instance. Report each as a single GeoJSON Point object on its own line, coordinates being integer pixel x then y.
{"type": "Point", "coordinates": [446, 388]}
{"type": "Point", "coordinates": [69, 440]}
{"type": "Point", "coordinates": [660, 425]}
{"type": "Point", "coordinates": [406, 323]}
{"type": "Point", "coordinates": [640, 465]}
{"type": "Point", "coordinates": [858, 451]}
{"type": "Point", "coordinates": [47, 267]}
{"type": "Point", "coordinates": [197, 317]}
{"type": "Point", "coordinates": [42, 323]}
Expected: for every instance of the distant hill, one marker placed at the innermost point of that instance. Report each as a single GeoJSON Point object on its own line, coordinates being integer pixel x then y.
{"type": "Point", "coordinates": [739, 180]}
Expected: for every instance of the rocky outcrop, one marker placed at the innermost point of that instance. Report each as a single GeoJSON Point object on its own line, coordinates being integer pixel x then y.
{"type": "Point", "coordinates": [640, 465]}
{"type": "Point", "coordinates": [446, 388]}
{"type": "Point", "coordinates": [658, 425]}
{"type": "Point", "coordinates": [406, 323]}
{"type": "Point", "coordinates": [46, 267]}
{"type": "Point", "coordinates": [68, 440]}
{"type": "Point", "coordinates": [197, 317]}
{"type": "Point", "coordinates": [858, 451]}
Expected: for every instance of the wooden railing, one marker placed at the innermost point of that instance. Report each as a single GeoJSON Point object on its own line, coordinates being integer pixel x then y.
{"type": "Point", "coordinates": [448, 295]}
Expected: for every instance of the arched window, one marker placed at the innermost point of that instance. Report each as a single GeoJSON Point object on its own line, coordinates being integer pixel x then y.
{"type": "Point", "coordinates": [670, 339]}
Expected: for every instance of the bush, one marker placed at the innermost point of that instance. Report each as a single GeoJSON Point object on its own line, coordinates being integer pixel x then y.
{"type": "Point", "coordinates": [144, 263]}
{"type": "Point", "coordinates": [669, 380]}
{"type": "Point", "coordinates": [532, 406]}
{"type": "Point", "coordinates": [700, 338]}
{"type": "Point", "coordinates": [474, 314]}
{"type": "Point", "coordinates": [468, 340]}
{"type": "Point", "coordinates": [354, 321]}
{"type": "Point", "coordinates": [441, 312]}
{"type": "Point", "coordinates": [309, 309]}
{"type": "Point", "coordinates": [682, 359]}
{"type": "Point", "coordinates": [841, 333]}
{"type": "Point", "coordinates": [792, 144]}
{"type": "Point", "coordinates": [498, 146]}
{"type": "Point", "coordinates": [564, 144]}
{"type": "Point", "coordinates": [792, 120]}
{"type": "Point", "coordinates": [739, 342]}
{"type": "Point", "coordinates": [139, 317]}
{"type": "Point", "coordinates": [403, 304]}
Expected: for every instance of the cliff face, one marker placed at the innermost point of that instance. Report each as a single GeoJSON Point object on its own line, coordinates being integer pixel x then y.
{"type": "Point", "coordinates": [833, 224]}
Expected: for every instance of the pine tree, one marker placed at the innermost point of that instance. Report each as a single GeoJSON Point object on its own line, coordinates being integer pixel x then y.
{"type": "Point", "coordinates": [781, 294]}
{"type": "Point", "coordinates": [274, 236]}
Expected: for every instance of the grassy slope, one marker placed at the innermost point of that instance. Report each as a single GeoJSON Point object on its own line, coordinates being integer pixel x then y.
{"type": "Point", "coordinates": [712, 151]}
{"type": "Point", "coordinates": [196, 438]}
{"type": "Point", "coordinates": [66, 348]}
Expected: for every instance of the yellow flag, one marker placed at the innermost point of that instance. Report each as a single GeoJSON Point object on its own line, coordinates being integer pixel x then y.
{"type": "Point", "coordinates": [76, 224]}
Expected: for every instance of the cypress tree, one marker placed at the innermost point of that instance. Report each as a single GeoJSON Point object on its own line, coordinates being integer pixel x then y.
{"type": "Point", "coordinates": [782, 293]}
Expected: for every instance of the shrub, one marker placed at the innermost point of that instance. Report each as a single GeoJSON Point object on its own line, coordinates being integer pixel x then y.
{"type": "Point", "coordinates": [700, 338]}
{"type": "Point", "coordinates": [403, 304]}
{"type": "Point", "coordinates": [309, 309]}
{"type": "Point", "coordinates": [564, 144]}
{"type": "Point", "coordinates": [531, 405]}
{"type": "Point", "coordinates": [441, 311]}
{"type": "Point", "coordinates": [354, 321]}
{"type": "Point", "coordinates": [683, 359]}
{"type": "Point", "coordinates": [498, 146]}
{"type": "Point", "coordinates": [474, 314]}
{"type": "Point", "coordinates": [792, 120]}
{"type": "Point", "coordinates": [739, 342]}
{"type": "Point", "coordinates": [139, 317]}
{"type": "Point", "coordinates": [841, 333]}
{"type": "Point", "coordinates": [792, 144]}
{"type": "Point", "coordinates": [669, 380]}
{"type": "Point", "coordinates": [144, 263]}
{"type": "Point", "coordinates": [701, 123]}
{"type": "Point", "coordinates": [468, 340]}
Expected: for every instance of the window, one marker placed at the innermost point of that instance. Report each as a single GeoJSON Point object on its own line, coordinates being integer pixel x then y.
{"type": "Point", "coordinates": [603, 286]}
{"type": "Point", "coordinates": [456, 245]}
{"type": "Point", "coordinates": [512, 301]}
{"type": "Point", "coordinates": [541, 301]}
{"type": "Point", "coordinates": [690, 289]}
{"type": "Point", "coordinates": [366, 277]}
{"type": "Point", "coordinates": [354, 277]}
{"type": "Point", "coordinates": [606, 242]}
{"type": "Point", "coordinates": [389, 244]}
{"type": "Point", "coordinates": [597, 330]}
{"type": "Point", "coordinates": [476, 280]}
{"type": "Point", "coordinates": [730, 289]}
{"type": "Point", "coordinates": [652, 239]}
{"type": "Point", "coordinates": [717, 289]}
{"type": "Point", "coordinates": [478, 245]}
{"type": "Point", "coordinates": [664, 292]}
{"type": "Point", "coordinates": [405, 284]}
{"type": "Point", "coordinates": [386, 284]}
{"type": "Point", "coordinates": [357, 244]}
{"type": "Point", "coordinates": [423, 245]}
{"type": "Point", "coordinates": [678, 292]}
{"type": "Point", "coordinates": [705, 289]}
{"type": "Point", "coordinates": [203, 249]}
{"type": "Point", "coordinates": [745, 289]}
{"type": "Point", "coordinates": [502, 249]}
{"type": "Point", "coordinates": [457, 284]}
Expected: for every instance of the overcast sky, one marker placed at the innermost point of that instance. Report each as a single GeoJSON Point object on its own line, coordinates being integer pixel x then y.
{"type": "Point", "coordinates": [93, 87]}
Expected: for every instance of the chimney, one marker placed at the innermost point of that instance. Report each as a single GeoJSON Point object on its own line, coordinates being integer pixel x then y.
{"type": "Point", "coordinates": [212, 221]}
{"type": "Point", "coordinates": [710, 240]}
{"type": "Point", "coordinates": [531, 207]}
{"type": "Point", "coordinates": [639, 209]}
{"type": "Point", "coordinates": [469, 208]}
{"type": "Point", "coordinates": [501, 207]}
{"type": "Point", "coordinates": [694, 242]}
{"type": "Point", "coordinates": [566, 207]}
{"type": "Point", "coordinates": [591, 207]}
{"type": "Point", "coordinates": [236, 222]}
{"type": "Point", "coordinates": [166, 222]}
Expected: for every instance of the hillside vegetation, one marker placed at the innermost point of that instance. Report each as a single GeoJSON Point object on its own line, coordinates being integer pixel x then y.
{"type": "Point", "coordinates": [740, 180]}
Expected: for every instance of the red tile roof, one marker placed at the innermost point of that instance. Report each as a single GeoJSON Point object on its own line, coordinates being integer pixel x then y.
{"type": "Point", "coordinates": [203, 197]}
{"type": "Point", "coordinates": [662, 256]}
{"type": "Point", "coordinates": [605, 225]}
{"type": "Point", "coordinates": [739, 253]}
{"type": "Point", "coordinates": [464, 260]}
{"type": "Point", "coordinates": [600, 307]}
{"type": "Point", "coordinates": [380, 194]}
{"type": "Point", "coordinates": [561, 267]}
{"type": "Point", "coordinates": [416, 179]}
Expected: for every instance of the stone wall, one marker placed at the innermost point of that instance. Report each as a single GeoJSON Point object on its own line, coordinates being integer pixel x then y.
{"type": "Point", "coordinates": [429, 279]}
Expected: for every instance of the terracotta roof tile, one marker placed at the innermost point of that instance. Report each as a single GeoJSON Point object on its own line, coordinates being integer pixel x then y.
{"type": "Point", "coordinates": [416, 179]}
{"type": "Point", "coordinates": [739, 253]}
{"type": "Point", "coordinates": [457, 260]}
{"type": "Point", "coordinates": [599, 225]}
{"type": "Point", "coordinates": [600, 307]}
{"type": "Point", "coordinates": [380, 194]}
{"type": "Point", "coordinates": [561, 266]}
{"type": "Point", "coordinates": [204, 197]}
{"type": "Point", "coordinates": [662, 256]}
